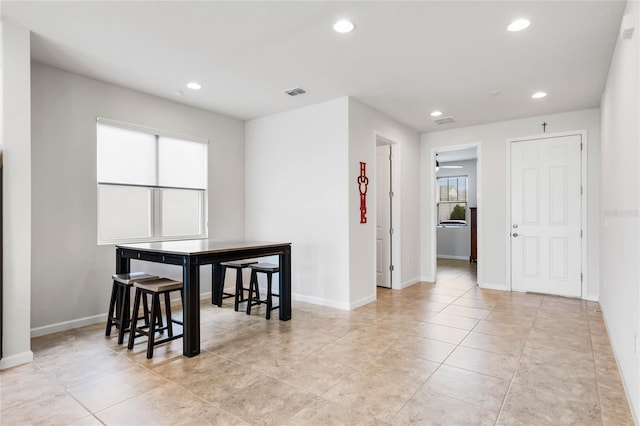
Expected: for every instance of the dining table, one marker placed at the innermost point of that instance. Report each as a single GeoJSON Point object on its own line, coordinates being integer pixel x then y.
{"type": "Point", "coordinates": [191, 255]}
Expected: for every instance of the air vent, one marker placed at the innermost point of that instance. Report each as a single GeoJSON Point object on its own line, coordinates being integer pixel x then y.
{"type": "Point", "coordinates": [295, 92]}
{"type": "Point", "coordinates": [444, 120]}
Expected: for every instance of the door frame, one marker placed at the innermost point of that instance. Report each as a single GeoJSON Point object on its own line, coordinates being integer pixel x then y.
{"type": "Point", "coordinates": [431, 234]}
{"type": "Point", "coordinates": [583, 202]}
{"type": "Point", "coordinates": [395, 219]}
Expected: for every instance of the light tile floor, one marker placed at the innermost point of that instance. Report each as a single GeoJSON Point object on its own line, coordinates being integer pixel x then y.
{"type": "Point", "coordinates": [447, 353]}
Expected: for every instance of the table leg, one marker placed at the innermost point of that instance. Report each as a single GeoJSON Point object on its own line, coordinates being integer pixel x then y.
{"type": "Point", "coordinates": [217, 286]}
{"type": "Point", "coordinates": [123, 266]}
{"type": "Point", "coordinates": [191, 306]}
{"type": "Point", "coordinates": [285, 285]}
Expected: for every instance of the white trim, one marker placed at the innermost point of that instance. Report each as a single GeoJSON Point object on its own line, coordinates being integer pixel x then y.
{"type": "Point", "coordinates": [584, 217]}
{"type": "Point", "coordinates": [362, 302]}
{"type": "Point", "coordinates": [446, 256]}
{"type": "Point", "coordinates": [493, 286]}
{"type": "Point", "coordinates": [427, 279]}
{"type": "Point", "coordinates": [396, 208]}
{"type": "Point", "coordinates": [409, 283]}
{"type": "Point", "coordinates": [67, 325]}
{"type": "Point", "coordinates": [432, 240]}
{"type": "Point", "coordinates": [321, 302]}
{"type": "Point", "coordinates": [17, 359]}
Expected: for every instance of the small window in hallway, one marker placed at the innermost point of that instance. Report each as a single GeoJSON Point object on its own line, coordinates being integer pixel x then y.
{"type": "Point", "coordinates": [452, 201]}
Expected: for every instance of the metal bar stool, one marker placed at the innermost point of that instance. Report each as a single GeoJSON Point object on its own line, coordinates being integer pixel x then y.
{"type": "Point", "coordinates": [154, 288]}
{"type": "Point", "coordinates": [238, 266]}
{"type": "Point", "coordinates": [119, 314]}
{"type": "Point", "coordinates": [268, 269]}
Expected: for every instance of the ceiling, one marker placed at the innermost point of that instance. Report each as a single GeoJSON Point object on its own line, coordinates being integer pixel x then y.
{"type": "Point", "coordinates": [405, 59]}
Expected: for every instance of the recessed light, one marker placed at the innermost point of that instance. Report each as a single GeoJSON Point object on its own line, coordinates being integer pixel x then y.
{"type": "Point", "coordinates": [343, 26]}
{"type": "Point", "coordinates": [518, 25]}
{"type": "Point", "coordinates": [194, 86]}
{"type": "Point", "coordinates": [436, 113]}
{"type": "Point", "coordinates": [539, 95]}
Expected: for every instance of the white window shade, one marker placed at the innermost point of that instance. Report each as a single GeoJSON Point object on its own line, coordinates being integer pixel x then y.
{"type": "Point", "coordinates": [126, 156]}
{"type": "Point", "coordinates": [181, 163]}
{"type": "Point", "coordinates": [124, 213]}
{"type": "Point", "coordinates": [181, 212]}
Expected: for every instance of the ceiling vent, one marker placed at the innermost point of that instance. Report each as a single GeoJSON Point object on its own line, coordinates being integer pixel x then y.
{"type": "Point", "coordinates": [295, 92]}
{"type": "Point", "coordinates": [444, 120]}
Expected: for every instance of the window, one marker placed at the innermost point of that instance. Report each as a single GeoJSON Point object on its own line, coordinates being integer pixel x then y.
{"type": "Point", "coordinates": [151, 185]}
{"type": "Point", "coordinates": [452, 200]}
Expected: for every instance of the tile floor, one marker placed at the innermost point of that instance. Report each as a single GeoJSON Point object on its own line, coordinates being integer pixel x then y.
{"type": "Point", "coordinates": [448, 353]}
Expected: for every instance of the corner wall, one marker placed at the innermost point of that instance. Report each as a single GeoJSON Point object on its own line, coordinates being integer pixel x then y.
{"type": "Point", "coordinates": [296, 174]}
{"type": "Point", "coordinates": [16, 192]}
{"type": "Point", "coordinates": [620, 208]}
{"type": "Point", "coordinates": [70, 272]}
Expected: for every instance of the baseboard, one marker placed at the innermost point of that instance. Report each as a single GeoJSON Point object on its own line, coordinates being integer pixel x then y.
{"type": "Point", "coordinates": [319, 301]}
{"type": "Point", "coordinates": [492, 286]}
{"type": "Point", "coordinates": [363, 301]}
{"type": "Point", "coordinates": [430, 279]}
{"type": "Point", "coordinates": [592, 298]}
{"type": "Point", "coordinates": [409, 283]}
{"type": "Point", "coordinates": [81, 322]}
{"type": "Point", "coordinates": [445, 256]}
{"type": "Point", "coordinates": [67, 325]}
{"type": "Point", "coordinates": [17, 359]}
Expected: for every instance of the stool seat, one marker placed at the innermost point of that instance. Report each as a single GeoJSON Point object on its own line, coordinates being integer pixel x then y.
{"type": "Point", "coordinates": [239, 263]}
{"type": "Point", "coordinates": [266, 267]}
{"type": "Point", "coordinates": [158, 285]}
{"type": "Point", "coordinates": [130, 277]}
{"type": "Point", "coordinates": [238, 266]}
{"type": "Point", "coordinates": [119, 314]}
{"type": "Point", "coordinates": [269, 269]}
{"type": "Point", "coordinates": [154, 288]}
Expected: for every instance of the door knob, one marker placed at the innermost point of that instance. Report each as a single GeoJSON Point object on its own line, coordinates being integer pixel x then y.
{"type": "Point", "coordinates": [515, 234]}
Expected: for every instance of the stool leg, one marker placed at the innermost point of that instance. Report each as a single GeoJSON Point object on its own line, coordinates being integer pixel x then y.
{"type": "Point", "coordinates": [239, 289]}
{"type": "Point", "coordinates": [167, 306]}
{"type": "Point", "coordinates": [155, 313]}
{"type": "Point", "coordinates": [136, 308]}
{"type": "Point", "coordinates": [112, 305]}
{"type": "Point", "coordinates": [269, 302]}
{"type": "Point", "coordinates": [252, 282]}
{"type": "Point", "coordinates": [123, 313]}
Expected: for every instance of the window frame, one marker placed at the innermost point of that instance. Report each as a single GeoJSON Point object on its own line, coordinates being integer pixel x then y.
{"type": "Point", "coordinates": [464, 203]}
{"type": "Point", "coordinates": [155, 203]}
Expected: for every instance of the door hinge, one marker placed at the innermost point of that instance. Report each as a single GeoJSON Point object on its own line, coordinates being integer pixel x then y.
{"type": "Point", "coordinates": [391, 267]}
{"type": "Point", "coordinates": [390, 231]}
{"type": "Point", "coordinates": [390, 194]}
{"type": "Point", "coordinates": [389, 157]}
{"type": "Point", "coordinates": [580, 146]}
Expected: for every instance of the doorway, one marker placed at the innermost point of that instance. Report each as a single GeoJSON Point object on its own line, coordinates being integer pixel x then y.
{"type": "Point", "coordinates": [384, 214]}
{"type": "Point", "coordinates": [455, 206]}
{"type": "Point", "coordinates": [546, 215]}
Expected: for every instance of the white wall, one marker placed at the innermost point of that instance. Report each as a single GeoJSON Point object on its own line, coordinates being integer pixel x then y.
{"type": "Point", "coordinates": [620, 198]}
{"type": "Point", "coordinates": [16, 192]}
{"type": "Point", "coordinates": [297, 191]}
{"type": "Point", "coordinates": [454, 242]}
{"type": "Point", "coordinates": [492, 196]}
{"type": "Point", "coordinates": [70, 272]}
{"type": "Point", "coordinates": [364, 124]}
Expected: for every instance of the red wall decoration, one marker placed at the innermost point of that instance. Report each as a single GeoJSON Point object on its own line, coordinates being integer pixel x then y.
{"type": "Point", "coordinates": [363, 181]}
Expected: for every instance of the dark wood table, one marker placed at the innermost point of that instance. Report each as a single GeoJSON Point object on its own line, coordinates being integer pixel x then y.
{"type": "Point", "coordinates": [191, 254]}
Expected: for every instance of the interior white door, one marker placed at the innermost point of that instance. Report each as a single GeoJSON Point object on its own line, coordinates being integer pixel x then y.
{"type": "Point", "coordinates": [546, 215]}
{"type": "Point", "coordinates": [383, 216]}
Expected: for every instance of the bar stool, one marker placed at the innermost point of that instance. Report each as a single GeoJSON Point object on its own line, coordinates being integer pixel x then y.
{"type": "Point", "coordinates": [268, 269]}
{"type": "Point", "coordinates": [238, 266]}
{"type": "Point", "coordinates": [154, 288]}
{"type": "Point", "coordinates": [119, 307]}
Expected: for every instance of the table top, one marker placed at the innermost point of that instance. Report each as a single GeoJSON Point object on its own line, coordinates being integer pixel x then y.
{"type": "Point", "coordinates": [195, 247]}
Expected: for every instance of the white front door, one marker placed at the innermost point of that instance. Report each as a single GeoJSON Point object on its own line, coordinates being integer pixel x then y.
{"type": "Point", "coordinates": [546, 215]}
{"type": "Point", "coordinates": [383, 216]}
